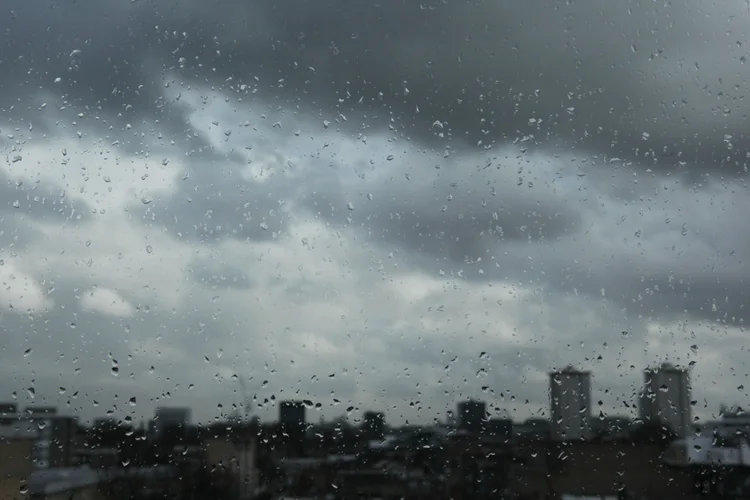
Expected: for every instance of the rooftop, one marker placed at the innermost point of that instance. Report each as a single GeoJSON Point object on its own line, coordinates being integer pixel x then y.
{"type": "Point", "coordinates": [570, 370]}
{"type": "Point", "coordinates": [666, 367]}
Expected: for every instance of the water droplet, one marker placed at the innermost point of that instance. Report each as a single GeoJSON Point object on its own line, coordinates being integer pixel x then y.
{"type": "Point", "coordinates": [131, 401]}
{"type": "Point", "coordinates": [149, 249]}
{"type": "Point", "coordinates": [146, 200]}
{"type": "Point", "coordinates": [27, 352]}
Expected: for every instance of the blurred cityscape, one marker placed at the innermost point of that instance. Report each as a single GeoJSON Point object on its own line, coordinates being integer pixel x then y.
{"type": "Point", "coordinates": [663, 453]}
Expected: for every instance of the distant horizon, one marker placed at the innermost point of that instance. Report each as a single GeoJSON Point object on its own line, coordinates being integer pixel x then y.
{"type": "Point", "coordinates": [730, 409]}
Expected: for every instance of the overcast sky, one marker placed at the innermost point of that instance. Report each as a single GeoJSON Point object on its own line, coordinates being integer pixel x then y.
{"type": "Point", "coordinates": [389, 206]}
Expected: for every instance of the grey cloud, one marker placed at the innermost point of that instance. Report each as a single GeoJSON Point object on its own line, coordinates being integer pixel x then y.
{"type": "Point", "coordinates": [22, 203]}
{"type": "Point", "coordinates": [216, 203]}
{"type": "Point", "coordinates": [589, 76]}
{"type": "Point", "coordinates": [508, 217]}
{"type": "Point", "coordinates": [217, 199]}
{"type": "Point", "coordinates": [40, 201]}
{"type": "Point", "coordinates": [219, 275]}
{"type": "Point", "coordinates": [457, 215]}
{"type": "Point", "coordinates": [657, 246]}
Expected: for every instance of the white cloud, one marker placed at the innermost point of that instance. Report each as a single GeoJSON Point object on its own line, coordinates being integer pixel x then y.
{"type": "Point", "coordinates": [114, 251]}
{"type": "Point", "coordinates": [19, 291]}
{"type": "Point", "coordinates": [106, 301]}
{"type": "Point", "coordinates": [94, 172]}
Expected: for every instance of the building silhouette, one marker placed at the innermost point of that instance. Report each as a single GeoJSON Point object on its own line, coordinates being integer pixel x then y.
{"type": "Point", "coordinates": [170, 418]}
{"type": "Point", "coordinates": [373, 425]}
{"type": "Point", "coordinates": [472, 415]}
{"type": "Point", "coordinates": [665, 398]}
{"type": "Point", "coordinates": [570, 404]}
{"type": "Point", "coordinates": [292, 414]}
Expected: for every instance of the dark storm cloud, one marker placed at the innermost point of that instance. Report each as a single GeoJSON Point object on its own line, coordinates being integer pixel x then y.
{"type": "Point", "coordinates": [456, 214]}
{"type": "Point", "coordinates": [590, 232]}
{"type": "Point", "coordinates": [647, 80]}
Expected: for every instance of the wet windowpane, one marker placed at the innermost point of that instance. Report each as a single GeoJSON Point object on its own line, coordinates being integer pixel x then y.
{"type": "Point", "coordinates": [347, 249]}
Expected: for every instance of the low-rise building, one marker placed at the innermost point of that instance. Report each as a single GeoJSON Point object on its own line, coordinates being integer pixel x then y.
{"type": "Point", "coordinates": [15, 463]}
{"type": "Point", "coordinates": [232, 461]}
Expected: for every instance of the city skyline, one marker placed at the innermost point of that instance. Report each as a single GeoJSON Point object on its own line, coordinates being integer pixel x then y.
{"type": "Point", "coordinates": [667, 402]}
{"type": "Point", "coordinates": [269, 410]}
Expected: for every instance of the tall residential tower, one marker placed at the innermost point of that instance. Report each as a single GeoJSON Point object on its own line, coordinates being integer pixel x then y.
{"type": "Point", "coordinates": [570, 398]}
{"type": "Point", "coordinates": [665, 398]}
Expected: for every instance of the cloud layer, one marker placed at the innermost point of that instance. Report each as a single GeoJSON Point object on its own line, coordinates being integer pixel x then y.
{"type": "Point", "coordinates": [381, 206]}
